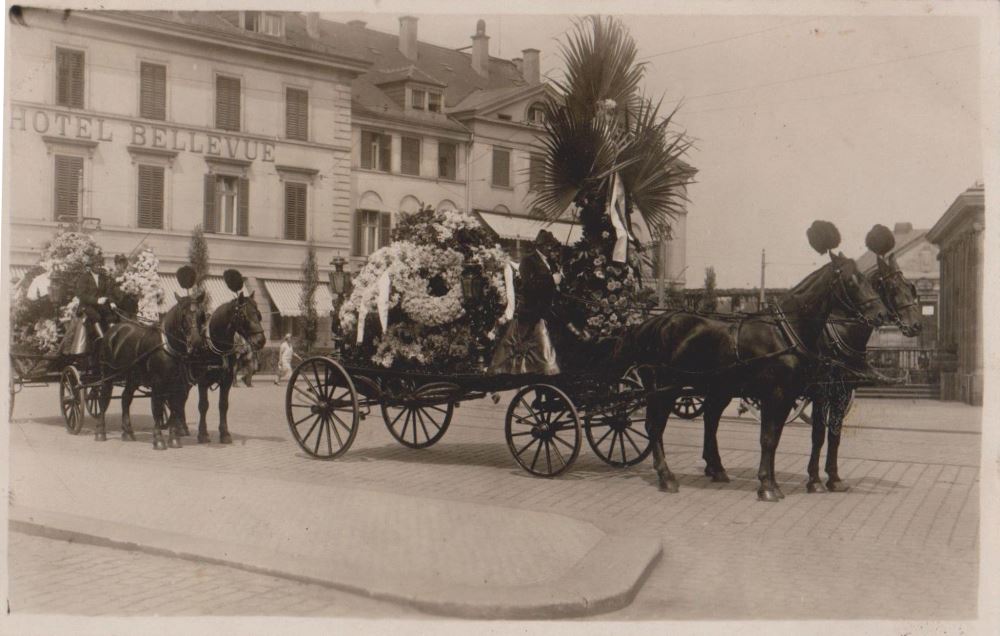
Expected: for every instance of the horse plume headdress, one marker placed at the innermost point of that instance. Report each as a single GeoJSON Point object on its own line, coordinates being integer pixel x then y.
{"type": "Point", "coordinates": [823, 237]}
{"type": "Point", "coordinates": [186, 276]}
{"type": "Point", "coordinates": [233, 279]}
{"type": "Point", "coordinates": [880, 240]}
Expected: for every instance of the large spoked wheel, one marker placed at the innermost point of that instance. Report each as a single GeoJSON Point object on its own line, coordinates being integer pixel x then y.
{"type": "Point", "coordinates": [543, 430]}
{"type": "Point", "coordinates": [321, 405]}
{"type": "Point", "coordinates": [71, 399]}
{"type": "Point", "coordinates": [97, 399]}
{"type": "Point", "coordinates": [617, 431]}
{"type": "Point", "coordinates": [689, 406]}
{"type": "Point", "coordinates": [422, 418]}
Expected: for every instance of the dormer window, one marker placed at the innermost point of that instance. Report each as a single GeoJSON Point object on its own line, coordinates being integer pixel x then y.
{"type": "Point", "coordinates": [434, 102]}
{"type": "Point", "coordinates": [504, 117]}
{"type": "Point", "coordinates": [536, 114]}
{"type": "Point", "coordinates": [264, 22]}
{"type": "Point", "coordinates": [417, 98]}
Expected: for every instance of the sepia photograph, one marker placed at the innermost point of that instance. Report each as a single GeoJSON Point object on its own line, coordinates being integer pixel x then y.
{"type": "Point", "coordinates": [426, 317]}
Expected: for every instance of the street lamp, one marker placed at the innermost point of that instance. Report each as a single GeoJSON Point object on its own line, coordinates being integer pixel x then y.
{"type": "Point", "coordinates": [340, 285]}
{"type": "Point", "coordinates": [472, 285]}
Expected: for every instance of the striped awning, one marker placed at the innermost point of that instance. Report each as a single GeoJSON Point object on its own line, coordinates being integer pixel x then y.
{"type": "Point", "coordinates": [17, 272]}
{"type": "Point", "coordinates": [218, 293]}
{"type": "Point", "coordinates": [523, 228]}
{"type": "Point", "coordinates": [285, 295]}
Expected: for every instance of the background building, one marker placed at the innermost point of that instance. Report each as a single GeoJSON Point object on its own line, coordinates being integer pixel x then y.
{"type": "Point", "coordinates": [959, 235]}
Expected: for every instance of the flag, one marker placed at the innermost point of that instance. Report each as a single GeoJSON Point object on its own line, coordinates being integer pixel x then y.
{"type": "Point", "coordinates": [619, 219]}
{"type": "Point", "coordinates": [382, 300]}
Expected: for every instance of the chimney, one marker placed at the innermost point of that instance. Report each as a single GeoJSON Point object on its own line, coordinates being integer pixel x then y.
{"type": "Point", "coordinates": [902, 228]}
{"type": "Point", "coordinates": [357, 24]}
{"type": "Point", "coordinates": [531, 69]}
{"type": "Point", "coordinates": [481, 50]}
{"type": "Point", "coordinates": [518, 64]}
{"type": "Point", "coordinates": [312, 24]}
{"type": "Point", "coordinates": [408, 37]}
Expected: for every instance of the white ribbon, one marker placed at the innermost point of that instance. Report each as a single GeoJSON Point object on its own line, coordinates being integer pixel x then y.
{"type": "Point", "coordinates": [616, 210]}
{"type": "Point", "coordinates": [382, 301]}
{"type": "Point", "coordinates": [361, 325]}
{"type": "Point", "coordinates": [39, 286]}
{"type": "Point", "coordinates": [508, 283]}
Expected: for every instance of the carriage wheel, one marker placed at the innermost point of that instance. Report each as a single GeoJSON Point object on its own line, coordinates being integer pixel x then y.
{"type": "Point", "coordinates": [421, 421]}
{"type": "Point", "coordinates": [543, 430]}
{"type": "Point", "coordinates": [97, 399]}
{"type": "Point", "coordinates": [617, 431]}
{"type": "Point", "coordinates": [71, 399]}
{"type": "Point", "coordinates": [689, 406]}
{"type": "Point", "coordinates": [321, 406]}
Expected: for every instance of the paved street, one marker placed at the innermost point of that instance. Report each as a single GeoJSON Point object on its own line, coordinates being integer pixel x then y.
{"type": "Point", "coordinates": [901, 543]}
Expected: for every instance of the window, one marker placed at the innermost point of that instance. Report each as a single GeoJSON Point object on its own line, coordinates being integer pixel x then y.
{"type": "Point", "coordinates": [501, 167]}
{"type": "Point", "coordinates": [411, 156]}
{"type": "Point", "coordinates": [262, 22]}
{"type": "Point", "coordinates": [68, 182]}
{"type": "Point", "coordinates": [371, 231]}
{"type": "Point", "coordinates": [375, 153]}
{"type": "Point", "coordinates": [504, 117]}
{"type": "Point", "coordinates": [417, 99]}
{"type": "Point", "coordinates": [152, 91]}
{"type": "Point", "coordinates": [434, 102]}
{"type": "Point", "coordinates": [927, 310]}
{"type": "Point", "coordinates": [227, 204]}
{"type": "Point", "coordinates": [447, 160]}
{"type": "Point", "coordinates": [150, 204]}
{"type": "Point", "coordinates": [536, 171]}
{"type": "Point", "coordinates": [536, 114]}
{"type": "Point", "coordinates": [297, 114]}
{"type": "Point", "coordinates": [295, 211]}
{"type": "Point", "coordinates": [69, 78]}
{"type": "Point", "coordinates": [227, 103]}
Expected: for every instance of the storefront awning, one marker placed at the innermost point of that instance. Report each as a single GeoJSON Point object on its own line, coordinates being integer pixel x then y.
{"type": "Point", "coordinates": [218, 293]}
{"type": "Point", "coordinates": [522, 228]}
{"type": "Point", "coordinates": [285, 295]}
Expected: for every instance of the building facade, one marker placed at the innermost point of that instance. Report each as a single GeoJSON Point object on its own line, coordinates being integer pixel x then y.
{"type": "Point", "coordinates": [959, 235]}
{"type": "Point", "coordinates": [143, 125]}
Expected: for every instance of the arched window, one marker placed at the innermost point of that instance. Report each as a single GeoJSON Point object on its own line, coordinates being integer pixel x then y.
{"type": "Point", "coordinates": [536, 114]}
{"type": "Point", "coordinates": [446, 205]}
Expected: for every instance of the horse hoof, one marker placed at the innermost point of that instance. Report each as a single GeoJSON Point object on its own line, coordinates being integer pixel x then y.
{"type": "Point", "coordinates": [837, 486]}
{"type": "Point", "coordinates": [768, 495]}
{"type": "Point", "coordinates": [781, 495]}
{"type": "Point", "coordinates": [225, 438]}
{"type": "Point", "coordinates": [669, 485]}
{"type": "Point", "coordinates": [100, 436]}
{"type": "Point", "coordinates": [174, 443]}
{"type": "Point", "coordinates": [159, 445]}
{"type": "Point", "coordinates": [204, 438]}
{"type": "Point", "coordinates": [183, 431]}
{"type": "Point", "coordinates": [128, 436]}
{"type": "Point", "coordinates": [815, 486]}
{"type": "Point", "coordinates": [720, 476]}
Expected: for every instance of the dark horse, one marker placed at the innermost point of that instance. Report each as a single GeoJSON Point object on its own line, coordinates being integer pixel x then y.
{"type": "Point", "coordinates": [216, 363]}
{"type": "Point", "coordinates": [153, 356]}
{"type": "Point", "coordinates": [845, 341]}
{"type": "Point", "coordinates": [767, 357]}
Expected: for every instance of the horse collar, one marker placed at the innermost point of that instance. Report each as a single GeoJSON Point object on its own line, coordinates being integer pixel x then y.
{"type": "Point", "coordinates": [788, 330]}
{"type": "Point", "coordinates": [839, 344]}
{"type": "Point", "coordinates": [166, 346]}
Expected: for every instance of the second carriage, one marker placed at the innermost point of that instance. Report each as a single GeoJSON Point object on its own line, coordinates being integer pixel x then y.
{"type": "Point", "coordinates": [545, 423]}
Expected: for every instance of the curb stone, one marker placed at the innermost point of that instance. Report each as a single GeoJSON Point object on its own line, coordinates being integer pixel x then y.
{"type": "Point", "coordinates": [605, 579]}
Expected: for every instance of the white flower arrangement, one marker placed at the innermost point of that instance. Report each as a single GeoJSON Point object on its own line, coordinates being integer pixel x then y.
{"type": "Point", "coordinates": [141, 279]}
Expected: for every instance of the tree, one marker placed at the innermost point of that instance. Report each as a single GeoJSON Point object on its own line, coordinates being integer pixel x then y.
{"type": "Point", "coordinates": [709, 301]}
{"type": "Point", "coordinates": [599, 126]}
{"type": "Point", "coordinates": [307, 301]}
{"type": "Point", "coordinates": [198, 256]}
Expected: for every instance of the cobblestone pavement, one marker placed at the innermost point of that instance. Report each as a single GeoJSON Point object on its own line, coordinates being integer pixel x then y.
{"type": "Point", "coordinates": [902, 543]}
{"type": "Point", "coordinates": [50, 576]}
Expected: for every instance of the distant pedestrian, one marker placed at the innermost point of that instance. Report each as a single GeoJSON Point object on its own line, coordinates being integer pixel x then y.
{"type": "Point", "coordinates": [285, 353]}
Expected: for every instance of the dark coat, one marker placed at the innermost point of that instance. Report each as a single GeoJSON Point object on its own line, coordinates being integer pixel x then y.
{"type": "Point", "coordinates": [537, 289]}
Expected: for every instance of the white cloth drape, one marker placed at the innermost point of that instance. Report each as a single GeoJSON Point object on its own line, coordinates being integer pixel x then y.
{"type": "Point", "coordinates": [616, 210]}
{"type": "Point", "coordinates": [384, 286]}
{"type": "Point", "coordinates": [508, 283]}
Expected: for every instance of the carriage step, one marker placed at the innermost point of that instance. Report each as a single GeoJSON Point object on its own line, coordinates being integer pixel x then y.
{"type": "Point", "coordinates": [911, 392]}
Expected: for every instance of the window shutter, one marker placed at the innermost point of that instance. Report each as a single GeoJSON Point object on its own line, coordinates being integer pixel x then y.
{"type": "Point", "coordinates": [410, 160]}
{"type": "Point", "coordinates": [67, 186]}
{"type": "Point", "coordinates": [297, 114]}
{"type": "Point", "coordinates": [366, 151]}
{"type": "Point", "coordinates": [501, 167]}
{"type": "Point", "coordinates": [243, 222]}
{"type": "Point", "coordinates": [153, 89]}
{"type": "Point", "coordinates": [227, 103]}
{"type": "Point", "coordinates": [385, 228]}
{"type": "Point", "coordinates": [359, 232]}
{"type": "Point", "coordinates": [151, 197]}
{"type": "Point", "coordinates": [385, 153]}
{"type": "Point", "coordinates": [295, 211]}
{"type": "Point", "coordinates": [69, 78]}
{"type": "Point", "coordinates": [210, 213]}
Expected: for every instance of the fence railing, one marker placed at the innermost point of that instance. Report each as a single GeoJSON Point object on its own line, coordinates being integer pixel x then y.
{"type": "Point", "coordinates": [916, 365]}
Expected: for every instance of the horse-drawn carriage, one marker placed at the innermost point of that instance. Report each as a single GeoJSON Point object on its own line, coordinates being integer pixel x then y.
{"type": "Point", "coordinates": [80, 384]}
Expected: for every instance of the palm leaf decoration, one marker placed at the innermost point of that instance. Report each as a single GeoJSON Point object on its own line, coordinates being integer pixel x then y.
{"type": "Point", "coordinates": [599, 125]}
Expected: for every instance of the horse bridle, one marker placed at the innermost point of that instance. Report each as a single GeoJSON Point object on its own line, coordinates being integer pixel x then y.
{"type": "Point", "coordinates": [168, 336]}
{"type": "Point", "coordinates": [845, 299]}
{"type": "Point", "coordinates": [881, 284]}
{"type": "Point", "coordinates": [241, 307]}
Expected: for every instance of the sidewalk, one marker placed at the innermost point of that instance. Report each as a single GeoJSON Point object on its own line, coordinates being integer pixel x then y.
{"type": "Point", "coordinates": [450, 558]}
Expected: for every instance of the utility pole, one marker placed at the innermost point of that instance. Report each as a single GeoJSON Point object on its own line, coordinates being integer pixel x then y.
{"type": "Point", "coordinates": [762, 265]}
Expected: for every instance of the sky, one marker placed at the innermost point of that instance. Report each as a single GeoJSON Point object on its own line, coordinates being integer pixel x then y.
{"type": "Point", "coordinates": [855, 120]}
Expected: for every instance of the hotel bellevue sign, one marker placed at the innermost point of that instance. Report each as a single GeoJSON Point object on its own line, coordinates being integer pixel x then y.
{"type": "Point", "coordinates": [86, 128]}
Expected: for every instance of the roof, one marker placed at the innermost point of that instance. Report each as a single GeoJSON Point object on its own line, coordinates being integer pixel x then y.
{"type": "Point", "coordinates": [488, 97]}
{"type": "Point", "coordinates": [969, 202]}
{"type": "Point", "coordinates": [411, 73]}
{"type": "Point", "coordinates": [906, 238]}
